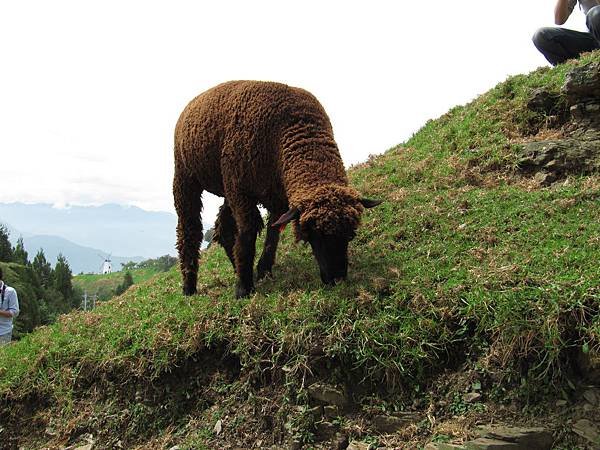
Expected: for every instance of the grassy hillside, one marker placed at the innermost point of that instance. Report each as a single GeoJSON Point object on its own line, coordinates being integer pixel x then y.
{"type": "Point", "coordinates": [468, 276]}
{"type": "Point", "coordinates": [104, 285]}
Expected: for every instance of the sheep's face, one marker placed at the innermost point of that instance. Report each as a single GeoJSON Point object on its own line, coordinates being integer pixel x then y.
{"type": "Point", "coordinates": [331, 253]}
{"type": "Point", "coordinates": [328, 222]}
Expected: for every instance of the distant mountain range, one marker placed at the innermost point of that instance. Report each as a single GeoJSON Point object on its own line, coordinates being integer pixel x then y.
{"type": "Point", "coordinates": [86, 234]}
{"type": "Point", "coordinates": [81, 259]}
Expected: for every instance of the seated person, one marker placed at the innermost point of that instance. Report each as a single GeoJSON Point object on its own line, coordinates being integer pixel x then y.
{"type": "Point", "coordinates": [560, 44]}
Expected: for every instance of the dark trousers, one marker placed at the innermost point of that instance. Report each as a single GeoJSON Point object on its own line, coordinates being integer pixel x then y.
{"type": "Point", "coordinates": [560, 44]}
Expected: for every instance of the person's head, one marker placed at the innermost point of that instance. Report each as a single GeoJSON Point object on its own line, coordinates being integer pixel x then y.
{"type": "Point", "coordinates": [0, 273]}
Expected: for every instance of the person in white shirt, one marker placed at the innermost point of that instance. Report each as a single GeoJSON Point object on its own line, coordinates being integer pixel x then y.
{"type": "Point", "coordinates": [560, 44]}
{"type": "Point", "coordinates": [9, 309]}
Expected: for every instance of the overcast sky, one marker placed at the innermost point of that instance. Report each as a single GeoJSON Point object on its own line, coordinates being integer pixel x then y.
{"type": "Point", "coordinates": [90, 91]}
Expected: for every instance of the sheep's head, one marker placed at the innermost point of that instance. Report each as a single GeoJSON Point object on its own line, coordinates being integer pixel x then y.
{"type": "Point", "coordinates": [327, 218]}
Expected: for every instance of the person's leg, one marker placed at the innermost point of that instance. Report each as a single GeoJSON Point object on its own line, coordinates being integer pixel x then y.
{"type": "Point", "coordinates": [560, 44]}
{"type": "Point", "coordinates": [592, 21]}
{"type": "Point", "coordinates": [5, 338]}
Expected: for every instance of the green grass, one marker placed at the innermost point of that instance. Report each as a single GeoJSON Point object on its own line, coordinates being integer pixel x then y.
{"type": "Point", "coordinates": [464, 261]}
{"type": "Point", "coordinates": [104, 285]}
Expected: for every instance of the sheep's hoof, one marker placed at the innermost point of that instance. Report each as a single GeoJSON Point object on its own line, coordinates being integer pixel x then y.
{"type": "Point", "coordinates": [189, 289]}
{"type": "Point", "coordinates": [189, 284]}
{"type": "Point", "coordinates": [243, 291]}
{"type": "Point", "coordinates": [261, 274]}
{"type": "Point", "coordinates": [188, 292]}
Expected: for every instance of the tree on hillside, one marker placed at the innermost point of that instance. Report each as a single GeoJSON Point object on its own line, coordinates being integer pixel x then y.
{"type": "Point", "coordinates": [130, 265]}
{"type": "Point", "coordinates": [42, 269]}
{"type": "Point", "coordinates": [161, 264]}
{"type": "Point", "coordinates": [209, 234]}
{"type": "Point", "coordinates": [52, 305]}
{"type": "Point", "coordinates": [127, 281]}
{"type": "Point", "coordinates": [19, 253]}
{"type": "Point", "coordinates": [62, 280]}
{"type": "Point", "coordinates": [6, 253]}
{"type": "Point", "coordinates": [29, 291]}
{"type": "Point", "coordinates": [165, 262]}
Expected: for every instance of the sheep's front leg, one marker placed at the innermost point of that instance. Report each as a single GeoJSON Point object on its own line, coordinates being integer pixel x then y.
{"type": "Point", "coordinates": [249, 223]}
{"type": "Point", "coordinates": [244, 260]}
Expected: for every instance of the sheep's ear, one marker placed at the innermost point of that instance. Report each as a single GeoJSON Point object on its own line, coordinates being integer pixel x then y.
{"type": "Point", "coordinates": [368, 203]}
{"type": "Point", "coordinates": [286, 218]}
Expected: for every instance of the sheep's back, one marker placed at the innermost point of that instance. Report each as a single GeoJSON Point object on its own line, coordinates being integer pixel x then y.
{"type": "Point", "coordinates": [237, 127]}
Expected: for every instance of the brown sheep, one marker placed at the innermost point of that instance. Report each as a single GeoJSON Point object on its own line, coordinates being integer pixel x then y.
{"type": "Point", "coordinates": [262, 143]}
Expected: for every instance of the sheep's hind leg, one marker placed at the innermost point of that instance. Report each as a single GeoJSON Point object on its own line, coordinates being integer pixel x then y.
{"type": "Point", "coordinates": [187, 194]}
{"type": "Point", "coordinates": [267, 258]}
{"type": "Point", "coordinates": [225, 231]}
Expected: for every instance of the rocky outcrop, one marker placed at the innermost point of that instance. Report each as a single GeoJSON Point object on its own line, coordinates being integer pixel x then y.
{"type": "Point", "coordinates": [579, 150]}
{"type": "Point", "coordinates": [551, 160]}
{"type": "Point", "coordinates": [327, 395]}
{"type": "Point", "coordinates": [501, 438]}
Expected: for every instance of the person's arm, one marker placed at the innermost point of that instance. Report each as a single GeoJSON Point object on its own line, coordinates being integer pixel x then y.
{"type": "Point", "coordinates": [563, 10]}
{"type": "Point", "coordinates": [13, 305]}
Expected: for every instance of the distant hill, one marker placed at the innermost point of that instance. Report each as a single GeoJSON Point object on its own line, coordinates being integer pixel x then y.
{"type": "Point", "coordinates": [116, 229]}
{"type": "Point", "coordinates": [80, 258]}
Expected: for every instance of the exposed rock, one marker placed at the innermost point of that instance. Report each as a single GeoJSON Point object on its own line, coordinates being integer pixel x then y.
{"type": "Point", "coordinates": [592, 396]}
{"type": "Point", "coordinates": [85, 442]}
{"type": "Point", "coordinates": [582, 90]}
{"type": "Point", "coordinates": [355, 445]}
{"type": "Point", "coordinates": [544, 102]}
{"type": "Point", "coordinates": [340, 442]}
{"type": "Point", "coordinates": [331, 411]}
{"type": "Point", "coordinates": [579, 152]}
{"type": "Point", "coordinates": [327, 394]}
{"type": "Point", "coordinates": [325, 430]}
{"type": "Point", "coordinates": [471, 397]}
{"type": "Point", "coordinates": [563, 156]}
{"type": "Point", "coordinates": [587, 430]}
{"type": "Point", "coordinates": [295, 445]}
{"type": "Point", "coordinates": [586, 111]}
{"type": "Point", "coordinates": [524, 438]}
{"type": "Point", "coordinates": [492, 444]}
{"type": "Point", "coordinates": [391, 424]}
{"type": "Point", "coordinates": [545, 178]}
{"type": "Point", "coordinates": [85, 447]}
{"type": "Point", "coordinates": [443, 446]}
{"type": "Point", "coordinates": [316, 413]}
{"type": "Point", "coordinates": [582, 83]}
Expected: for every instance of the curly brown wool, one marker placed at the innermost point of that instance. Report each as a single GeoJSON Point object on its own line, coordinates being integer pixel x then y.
{"type": "Point", "coordinates": [256, 142]}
